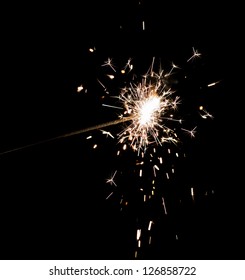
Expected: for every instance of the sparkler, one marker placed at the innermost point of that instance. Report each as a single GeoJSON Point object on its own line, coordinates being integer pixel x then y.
{"type": "Point", "coordinates": [147, 104]}
{"type": "Point", "coordinates": [150, 108]}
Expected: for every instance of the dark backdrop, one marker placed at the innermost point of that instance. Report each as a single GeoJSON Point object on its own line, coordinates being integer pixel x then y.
{"type": "Point", "coordinates": [53, 202]}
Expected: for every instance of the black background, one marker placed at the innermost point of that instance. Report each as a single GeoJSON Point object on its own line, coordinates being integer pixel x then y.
{"type": "Point", "coordinates": [53, 195]}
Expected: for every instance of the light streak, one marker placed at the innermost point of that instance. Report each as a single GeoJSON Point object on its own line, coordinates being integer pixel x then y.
{"type": "Point", "coordinates": [111, 106]}
{"type": "Point", "coordinates": [138, 234]}
{"type": "Point", "coordinates": [164, 206]}
{"type": "Point", "coordinates": [192, 194]}
{"type": "Point", "coordinates": [109, 195]}
{"type": "Point", "coordinates": [213, 84]}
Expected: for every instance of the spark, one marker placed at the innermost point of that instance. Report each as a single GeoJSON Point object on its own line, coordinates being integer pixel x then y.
{"type": "Point", "coordinates": [213, 84]}
{"type": "Point", "coordinates": [128, 65]}
{"type": "Point", "coordinates": [140, 173]}
{"type": "Point", "coordinates": [109, 63]}
{"type": "Point", "coordinates": [205, 114]}
{"type": "Point", "coordinates": [101, 83]}
{"type": "Point", "coordinates": [139, 243]}
{"type": "Point", "coordinates": [174, 66]}
{"type": "Point", "coordinates": [190, 132]}
{"type": "Point", "coordinates": [149, 240]}
{"type": "Point", "coordinates": [92, 49]}
{"type": "Point", "coordinates": [155, 167]}
{"type": "Point", "coordinates": [164, 206]}
{"type": "Point", "coordinates": [109, 195]}
{"type": "Point", "coordinates": [150, 224]}
{"type": "Point", "coordinates": [195, 55]}
{"type": "Point", "coordinates": [138, 234]}
{"type": "Point", "coordinates": [80, 88]}
{"type": "Point", "coordinates": [192, 193]}
{"type": "Point", "coordinates": [111, 76]}
{"type": "Point", "coordinates": [111, 180]}
{"type": "Point", "coordinates": [107, 133]}
{"type": "Point", "coordinates": [111, 106]}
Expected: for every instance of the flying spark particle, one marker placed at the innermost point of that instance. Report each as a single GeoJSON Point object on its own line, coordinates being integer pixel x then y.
{"type": "Point", "coordinates": [101, 83]}
{"type": "Point", "coordinates": [164, 206]}
{"type": "Point", "coordinates": [140, 173]}
{"type": "Point", "coordinates": [192, 193]}
{"type": "Point", "coordinates": [138, 234]}
{"type": "Point", "coordinates": [111, 106]}
{"type": "Point", "coordinates": [190, 132]}
{"type": "Point", "coordinates": [109, 63]}
{"type": "Point", "coordinates": [139, 243]}
{"type": "Point", "coordinates": [109, 195]}
{"type": "Point", "coordinates": [149, 240]}
{"type": "Point", "coordinates": [213, 84]}
{"type": "Point", "coordinates": [195, 55]}
{"type": "Point", "coordinates": [80, 88]}
{"type": "Point", "coordinates": [91, 50]}
{"type": "Point", "coordinates": [150, 224]}
{"type": "Point", "coordinates": [205, 114]}
{"type": "Point", "coordinates": [111, 76]}
{"type": "Point", "coordinates": [107, 133]}
{"type": "Point", "coordinates": [111, 180]}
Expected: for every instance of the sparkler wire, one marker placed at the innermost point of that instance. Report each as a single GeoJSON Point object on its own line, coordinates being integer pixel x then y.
{"type": "Point", "coordinates": [70, 134]}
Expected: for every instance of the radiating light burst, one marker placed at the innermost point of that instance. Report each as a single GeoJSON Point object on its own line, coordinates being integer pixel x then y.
{"type": "Point", "coordinates": [151, 104]}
